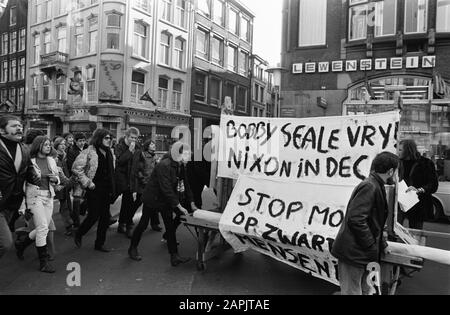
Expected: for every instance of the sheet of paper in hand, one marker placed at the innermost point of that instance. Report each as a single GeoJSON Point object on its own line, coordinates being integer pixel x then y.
{"type": "Point", "coordinates": [406, 200]}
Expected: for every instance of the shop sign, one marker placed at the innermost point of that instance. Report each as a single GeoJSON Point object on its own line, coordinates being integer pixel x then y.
{"type": "Point", "coordinates": [396, 63]}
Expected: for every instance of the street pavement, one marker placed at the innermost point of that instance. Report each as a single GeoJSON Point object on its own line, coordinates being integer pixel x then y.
{"type": "Point", "coordinates": [248, 274]}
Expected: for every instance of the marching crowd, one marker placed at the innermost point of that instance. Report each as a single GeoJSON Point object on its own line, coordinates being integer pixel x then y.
{"type": "Point", "coordinates": [86, 176]}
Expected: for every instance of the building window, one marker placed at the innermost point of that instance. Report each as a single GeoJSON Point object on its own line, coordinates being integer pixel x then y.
{"type": "Point", "coordinates": [47, 42]}
{"type": "Point", "coordinates": [13, 44]}
{"type": "Point", "coordinates": [241, 101]}
{"type": "Point", "coordinates": [219, 9]}
{"type": "Point", "coordinates": [113, 20]}
{"type": "Point", "coordinates": [385, 17]}
{"type": "Point", "coordinates": [215, 91]}
{"type": "Point", "coordinates": [177, 95]}
{"type": "Point", "coordinates": [3, 95]}
{"type": "Point", "coordinates": [36, 49]}
{"type": "Point", "coordinates": [112, 40]}
{"type": "Point", "coordinates": [12, 95]}
{"type": "Point", "coordinates": [243, 63]}
{"type": "Point", "coordinates": [79, 32]}
{"type": "Point", "coordinates": [22, 39]}
{"type": "Point", "coordinates": [233, 22]}
{"type": "Point", "coordinates": [35, 91]}
{"type": "Point", "coordinates": [45, 87]}
{"type": "Point", "coordinates": [179, 53]}
{"type": "Point", "coordinates": [4, 71]}
{"type": "Point", "coordinates": [200, 87]}
{"type": "Point", "coordinates": [62, 7]}
{"type": "Point", "coordinates": [416, 16]}
{"type": "Point", "coordinates": [93, 34]}
{"type": "Point", "coordinates": [230, 92]}
{"type": "Point", "coordinates": [167, 10]}
{"type": "Point", "coordinates": [163, 91]}
{"type": "Point", "coordinates": [202, 44]}
{"type": "Point", "coordinates": [5, 44]}
{"type": "Point", "coordinates": [113, 30]}
{"type": "Point", "coordinates": [232, 58]}
{"type": "Point", "coordinates": [245, 29]}
{"type": "Point", "coordinates": [12, 16]}
{"type": "Point", "coordinates": [62, 39]}
{"type": "Point", "coordinates": [256, 95]}
{"type": "Point", "coordinates": [21, 101]}
{"type": "Point", "coordinates": [262, 94]}
{"type": "Point", "coordinates": [43, 10]}
{"type": "Point", "coordinates": [217, 50]}
{"type": "Point", "coordinates": [180, 13]}
{"type": "Point", "coordinates": [164, 52]}
{"type": "Point", "coordinates": [13, 70]}
{"type": "Point", "coordinates": [22, 68]}
{"type": "Point", "coordinates": [91, 85]}
{"type": "Point", "coordinates": [204, 6]}
{"type": "Point", "coordinates": [137, 86]}
{"type": "Point", "coordinates": [358, 21]}
{"type": "Point", "coordinates": [140, 39]}
{"type": "Point", "coordinates": [443, 16]}
{"type": "Point", "coordinates": [144, 5]}
{"type": "Point", "coordinates": [93, 38]}
{"type": "Point", "coordinates": [60, 87]}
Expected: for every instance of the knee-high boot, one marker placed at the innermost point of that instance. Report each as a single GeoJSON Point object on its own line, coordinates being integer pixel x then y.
{"type": "Point", "coordinates": [51, 246]}
{"type": "Point", "coordinates": [44, 264]}
{"type": "Point", "coordinates": [21, 244]}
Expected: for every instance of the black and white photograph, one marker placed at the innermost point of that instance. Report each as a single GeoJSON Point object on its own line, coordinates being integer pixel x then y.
{"type": "Point", "coordinates": [224, 153]}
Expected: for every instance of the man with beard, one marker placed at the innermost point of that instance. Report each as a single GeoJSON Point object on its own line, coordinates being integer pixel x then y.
{"type": "Point", "coordinates": [15, 168]}
{"type": "Point", "coordinates": [361, 240]}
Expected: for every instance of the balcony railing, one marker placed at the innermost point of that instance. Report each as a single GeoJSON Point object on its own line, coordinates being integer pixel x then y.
{"type": "Point", "coordinates": [54, 60]}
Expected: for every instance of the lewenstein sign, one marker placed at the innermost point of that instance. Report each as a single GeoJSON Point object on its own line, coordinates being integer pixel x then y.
{"type": "Point", "coordinates": [396, 63]}
{"type": "Point", "coordinates": [323, 150]}
{"type": "Point", "coordinates": [293, 223]}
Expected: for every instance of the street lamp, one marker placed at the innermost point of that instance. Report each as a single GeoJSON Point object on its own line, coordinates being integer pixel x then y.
{"type": "Point", "coordinates": [277, 73]}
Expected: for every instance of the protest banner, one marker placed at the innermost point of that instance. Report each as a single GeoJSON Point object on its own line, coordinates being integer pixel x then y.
{"type": "Point", "coordinates": [295, 178]}
{"type": "Point", "coordinates": [295, 223]}
{"type": "Point", "coordinates": [322, 150]}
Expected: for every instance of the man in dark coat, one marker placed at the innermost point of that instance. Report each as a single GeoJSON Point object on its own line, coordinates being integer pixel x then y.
{"type": "Point", "coordinates": [75, 150]}
{"type": "Point", "coordinates": [125, 152]}
{"type": "Point", "coordinates": [168, 190]}
{"type": "Point", "coordinates": [360, 240]}
{"type": "Point", "coordinates": [79, 207]}
{"type": "Point", "coordinates": [15, 168]}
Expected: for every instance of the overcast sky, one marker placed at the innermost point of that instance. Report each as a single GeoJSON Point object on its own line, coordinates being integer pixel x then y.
{"type": "Point", "coordinates": [267, 28]}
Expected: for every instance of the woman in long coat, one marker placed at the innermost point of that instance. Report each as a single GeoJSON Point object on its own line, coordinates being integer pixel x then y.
{"type": "Point", "coordinates": [420, 175]}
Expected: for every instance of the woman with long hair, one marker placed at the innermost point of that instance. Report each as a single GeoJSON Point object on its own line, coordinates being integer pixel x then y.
{"type": "Point", "coordinates": [420, 175]}
{"type": "Point", "coordinates": [94, 171]}
{"type": "Point", "coordinates": [39, 199]}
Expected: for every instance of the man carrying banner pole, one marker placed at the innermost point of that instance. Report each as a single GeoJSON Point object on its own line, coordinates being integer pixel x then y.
{"type": "Point", "coordinates": [360, 240]}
